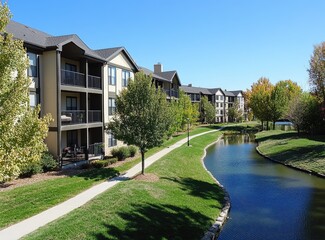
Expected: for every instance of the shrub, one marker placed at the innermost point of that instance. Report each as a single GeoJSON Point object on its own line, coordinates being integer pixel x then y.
{"type": "Point", "coordinates": [30, 170]}
{"type": "Point", "coordinates": [133, 150]}
{"type": "Point", "coordinates": [114, 152]}
{"type": "Point", "coordinates": [99, 163]}
{"type": "Point", "coordinates": [48, 163]}
{"type": "Point", "coordinates": [122, 153]}
{"type": "Point", "coordinates": [113, 160]}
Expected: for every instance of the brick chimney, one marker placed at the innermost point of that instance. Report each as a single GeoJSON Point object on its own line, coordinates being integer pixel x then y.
{"type": "Point", "coordinates": [158, 68]}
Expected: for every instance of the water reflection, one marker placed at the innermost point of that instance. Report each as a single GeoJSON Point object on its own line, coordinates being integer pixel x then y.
{"type": "Point", "coordinates": [269, 201]}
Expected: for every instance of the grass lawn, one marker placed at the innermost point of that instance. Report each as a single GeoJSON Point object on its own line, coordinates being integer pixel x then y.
{"type": "Point", "coordinates": [305, 152]}
{"type": "Point", "coordinates": [182, 204]}
{"type": "Point", "coordinates": [23, 202]}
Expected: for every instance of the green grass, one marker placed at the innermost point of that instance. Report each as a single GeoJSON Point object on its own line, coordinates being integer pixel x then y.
{"type": "Point", "coordinates": [182, 204]}
{"type": "Point", "coordinates": [304, 152]}
{"type": "Point", "coordinates": [23, 202]}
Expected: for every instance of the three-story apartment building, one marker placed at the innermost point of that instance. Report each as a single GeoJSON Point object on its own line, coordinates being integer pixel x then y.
{"type": "Point", "coordinates": [222, 100]}
{"type": "Point", "coordinates": [78, 86]}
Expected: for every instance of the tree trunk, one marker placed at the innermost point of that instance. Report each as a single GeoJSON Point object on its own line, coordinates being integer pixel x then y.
{"type": "Point", "coordinates": [273, 125]}
{"type": "Point", "coordinates": [267, 125]}
{"type": "Point", "coordinates": [142, 157]}
{"type": "Point", "coordinates": [262, 125]}
{"type": "Point", "coordinates": [298, 130]}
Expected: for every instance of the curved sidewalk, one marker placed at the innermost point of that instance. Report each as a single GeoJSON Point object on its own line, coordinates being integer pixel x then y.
{"type": "Point", "coordinates": [31, 224]}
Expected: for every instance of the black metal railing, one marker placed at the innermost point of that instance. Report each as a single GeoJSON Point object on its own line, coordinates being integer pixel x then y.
{"type": "Point", "coordinates": [95, 149]}
{"type": "Point", "coordinates": [94, 82]}
{"type": "Point", "coordinates": [94, 116]}
{"type": "Point", "coordinates": [73, 117]}
{"type": "Point", "coordinates": [72, 78]}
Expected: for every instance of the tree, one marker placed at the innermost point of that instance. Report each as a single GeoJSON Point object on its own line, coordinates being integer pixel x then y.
{"type": "Point", "coordinates": [280, 97]}
{"type": "Point", "coordinates": [22, 131]}
{"type": "Point", "coordinates": [304, 113]}
{"type": "Point", "coordinates": [317, 71]}
{"type": "Point", "coordinates": [235, 113]}
{"type": "Point", "coordinates": [208, 111]}
{"type": "Point", "coordinates": [143, 115]}
{"type": "Point", "coordinates": [259, 99]}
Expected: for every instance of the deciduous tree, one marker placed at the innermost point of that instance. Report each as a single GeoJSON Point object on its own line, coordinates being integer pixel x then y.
{"type": "Point", "coordinates": [208, 111]}
{"type": "Point", "coordinates": [22, 131]}
{"type": "Point", "coordinates": [317, 71]}
{"type": "Point", "coordinates": [142, 115]}
{"type": "Point", "coordinates": [235, 114]}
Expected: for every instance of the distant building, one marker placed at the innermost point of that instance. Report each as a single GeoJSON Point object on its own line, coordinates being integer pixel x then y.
{"type": "Point", "coordinates": [221, 99]}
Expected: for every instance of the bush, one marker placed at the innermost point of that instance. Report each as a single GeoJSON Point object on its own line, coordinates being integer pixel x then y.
{"type": "Point", "coordinates": [48, 163]}
{"type": "Point", "coordinates": [30, 170]}
{"type": "Point", "coordinates": [133, 150]}
{"type": "Point", "coordinates": [113, 160]}
{"type": "Point", "coordinates": [121, 153]}
{"type": "Point", "coordinates": [99, 163]}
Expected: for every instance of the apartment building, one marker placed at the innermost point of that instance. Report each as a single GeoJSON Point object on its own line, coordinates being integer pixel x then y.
{"type": "Point", "coordinates": [222, 100]}
{"type": "Point", "coordinates": [169, 81]}
{"type": "Point", "coordinates": [117, 71]}
{"type": "Point", "coordinates": [78, 86]}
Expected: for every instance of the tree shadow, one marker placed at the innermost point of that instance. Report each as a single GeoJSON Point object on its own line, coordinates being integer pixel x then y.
{"type": "Point", "coordinates": [98, 174]}
{"type": "Point", "coordinates": [198, 188]}
{"type": "Point", "coordinates": [284, 135]}
{"type": "Point", "coordinates": [153, 221]}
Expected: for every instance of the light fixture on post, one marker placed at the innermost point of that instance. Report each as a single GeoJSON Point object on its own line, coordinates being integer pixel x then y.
{"type": "Point", "coordinates": [188, 132]}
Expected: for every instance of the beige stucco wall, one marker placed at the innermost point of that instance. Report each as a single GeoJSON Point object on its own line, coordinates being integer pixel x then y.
{"type": "Point", "coordinates": [51, 141]}
{"type": "Point", "coordinates": [120, 62]}
{"type": "Point", "coordinates": [49, 85]}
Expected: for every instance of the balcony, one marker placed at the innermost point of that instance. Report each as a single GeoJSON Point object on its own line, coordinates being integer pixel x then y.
{"type": "Point", "coordinates": [94, 116]}
{"type": "Point", "coordinates": [72, 78]}
{"type": "Point", "coordinates": [94, 82]}
{"type": "Point", "coordinates": [69, 117]}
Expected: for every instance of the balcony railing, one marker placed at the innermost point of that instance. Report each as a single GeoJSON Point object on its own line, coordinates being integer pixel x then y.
{"type": "Point", "coordinates": [171, 93]}
{"type": "Point", "coordinates": [94, 116]}
{"type": "Point", "coordinates": [94, 82]}
{"type": "Point", "coordinates": [95, 149]}
{"type": "Point", "coordinates": [72, 78]}
{"type": "Point", "coordinates": [73, 117]}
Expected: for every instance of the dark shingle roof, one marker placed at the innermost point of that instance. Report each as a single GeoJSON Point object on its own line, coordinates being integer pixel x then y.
{"type": "Point", "coordinates": [197, 90]}
{"type": "Point", "coordinates": [169, 75]}
{"type": "Point", "coordinates": [228, 93]}
{"type": "Point", "coordinates": [149, 72]}
{"type": "Point", "coordinates": [38, 38]}
{"type": "Point", "coordinates": [27, 34]}
{"type": "Point", "coordinates": [237, 92]}
{"type": "Point", "coordinates": [110, 53]}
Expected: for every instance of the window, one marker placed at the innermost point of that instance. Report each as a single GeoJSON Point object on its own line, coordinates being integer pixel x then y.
{"type": "Point", "coordinates": [32, 69]}
{"type": "Point", "coordinates": [221, 97]}
{"type": "Point", "coordinates": [33, 100]}
{"type": "Point", "coordinates": [125, 78]}
{"type": "Point", "coordinates": [112, 75]}
{"type": "Point", "coordinates": [70, 67]}
{"type": "Point", "coordinates": [221, 105]}
{"type": "Point", "coordinates": [221, 111]}
{"type": "Point", "coordinates": [71, 103]}
{"type": "Point", "coordinates": [111, 140]}
{"type": "Point", "coordinates": [217, 104]}
{"type": "Point", "coordinates": [111, 106]}
{"type": "Point", "coordinates": [217, 97]}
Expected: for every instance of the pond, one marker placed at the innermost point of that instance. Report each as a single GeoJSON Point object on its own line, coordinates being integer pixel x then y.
{"type": "Point", "coordinates": [268, 200]}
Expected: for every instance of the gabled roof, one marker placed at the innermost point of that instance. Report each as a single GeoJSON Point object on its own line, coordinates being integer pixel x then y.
{"type": "Point", "coordinates": [229, 94]}
{"type": "Point", "coordinates": [237, 92]}
{"type": "Point", "coordinates": [110, 53]}
{"type": "Point", "coordinates": [40, 39]}
{"type": "Point", "coordinates": [215, 90]}
{"type": "Point", "coordinates": [197, 90]}
{"type": "Point", "coordinates": [27, 34]}
{"type": "Point", "coordinates": [149, 72]}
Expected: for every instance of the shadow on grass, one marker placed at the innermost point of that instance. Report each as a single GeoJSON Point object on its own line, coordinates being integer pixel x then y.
{"type": "Point", "coordinates": [98, 174]}
{"type": "Point", "coordinates": [153, 221]}
{"type": "Point", "coordinates": [284, 135]}
{"type": "Point", "coordinates": [199, 188]}
{"type": "Point", "coordinates": [297, 154]}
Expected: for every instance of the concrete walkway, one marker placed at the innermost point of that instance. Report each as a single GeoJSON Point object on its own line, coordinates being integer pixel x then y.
{"type": "Point", "coordinates": [31, 224]}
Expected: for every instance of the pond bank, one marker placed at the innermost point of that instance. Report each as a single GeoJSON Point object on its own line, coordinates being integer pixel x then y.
{"type": "Point", "coordinates": [305, 154]}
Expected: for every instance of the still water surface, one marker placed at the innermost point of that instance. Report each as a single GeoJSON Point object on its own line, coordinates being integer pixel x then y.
{"type": "Point", "coordinates": [268, 200]}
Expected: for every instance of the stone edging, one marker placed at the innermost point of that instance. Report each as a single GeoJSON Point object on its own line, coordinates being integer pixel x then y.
{"type": "Point", "coordinates": [215, 229]}
{"type": "Point", "coordinates": [289, 165]}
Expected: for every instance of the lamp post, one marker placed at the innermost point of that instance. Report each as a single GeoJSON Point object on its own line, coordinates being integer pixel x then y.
{"type": "Point", "coordinates": [188, 132]}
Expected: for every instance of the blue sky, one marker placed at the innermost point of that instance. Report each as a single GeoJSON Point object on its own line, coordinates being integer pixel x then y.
{"type": "Point", "coordinates": [211, 43]}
